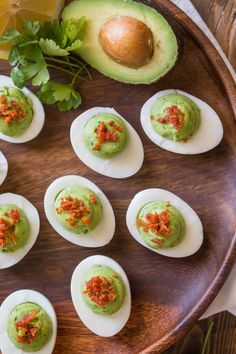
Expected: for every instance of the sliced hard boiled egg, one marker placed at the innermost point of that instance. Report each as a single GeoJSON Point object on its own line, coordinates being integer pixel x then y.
{"type": "Point", "coordinates": [3, 168]}
{"type": "Point", "coordinates": [10, 258]}
{"type": "Point", "coordinates": [29, 298]}
{"type": "Point", "coordinates": [37, 123]}
{"type": "Point", "coordinates": [125, 163]}
{"type": "Point", "coordinates": [192, 237]}
{"type": "Point", "coordinates": [207, 136]}
{"type": "Point", "coordinates": [104, 325]}
{"type": "Point", "coordinates": [104, 230]}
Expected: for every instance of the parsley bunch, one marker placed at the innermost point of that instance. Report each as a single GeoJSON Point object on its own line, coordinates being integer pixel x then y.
{"type": "Point", "coordinates": [39, 48]}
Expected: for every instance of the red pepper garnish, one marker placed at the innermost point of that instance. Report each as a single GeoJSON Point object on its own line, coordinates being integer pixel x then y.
{"type": "Point", "coordinates": [11, 112]}
{"type": "Point", "coordinates": [92, 199]}
{"type": "Point", "coordinates": [7, 228]}
{"type": "Point", "coordinates": [15, 216]}
{"type": "Point", "coordinates": [104, 134]}
{"type": "Point", "coordinates": [27, 331]}
{"type": "Point", "coordinates": [100, 290]}
{"type": "Point", "coordinates": [75, 208]}
{"type": "Point", "coordinates": [157, 223]}
{"type": "Point", "coordinates": [174, 116]}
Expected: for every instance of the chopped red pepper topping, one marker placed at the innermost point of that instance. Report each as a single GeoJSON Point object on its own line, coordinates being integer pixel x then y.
{"type": "Point", "coordinates": [104, 134]}
{"type": "Point", "coordinates": [100, 290]}
{"type": "Point", "coordinates": [11, 112]}
{"type": "Point", "coordinates": [7, 228]}
{"type": "Point", "coordinates": [174, 116]}
{"type": "Point", "coordinates": [75, 208]}
{"type": "Point", "coordinates": [157, 223]}
{"type": "Point", "coordinates": [92, 199]}
{"type": "Point", "coordinates": [27, 331]}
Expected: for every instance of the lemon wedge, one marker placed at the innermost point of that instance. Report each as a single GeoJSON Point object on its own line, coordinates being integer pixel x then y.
{"type": "Point", "coordinates": [13, 13]}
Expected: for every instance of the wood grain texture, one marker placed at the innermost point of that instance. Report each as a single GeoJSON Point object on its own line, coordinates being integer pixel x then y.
{"type": "Point", "coordinates": [168, 294]}
{"type": "Point", "coordinates": [220, 15]}
{"type": "Point", "coordinates": [221, 341]}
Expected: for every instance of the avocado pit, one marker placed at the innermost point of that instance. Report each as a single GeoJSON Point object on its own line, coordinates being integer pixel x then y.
{"type": "Point", "coordinates": [127, 40]}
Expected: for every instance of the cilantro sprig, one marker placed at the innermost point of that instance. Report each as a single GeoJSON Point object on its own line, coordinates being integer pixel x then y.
{"type": "Point", "coordinates": [38, 49]}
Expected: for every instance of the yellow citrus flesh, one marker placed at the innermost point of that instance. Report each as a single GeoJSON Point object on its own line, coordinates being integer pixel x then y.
{"type": "Point", "coordinates": [13, 13]}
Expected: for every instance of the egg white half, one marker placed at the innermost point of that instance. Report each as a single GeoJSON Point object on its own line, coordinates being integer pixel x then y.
{"type": "Point", "coordinates": [38, 119]}
{"type": "Point", "coordinates": [102, 325]}
{"type": "Point", "coordinates": [8, 259]}
{"type": "Point", "coordinates": [15, 299]}
{"type": "Point", "coordinates": [193, 237]}
{"type": "Point", "coordinates": [98, 237]}
{"type": "Point", "coordinates": [208, 136]}
{"type": "Point", "coordinates": [3, 168]}
{"type": "Point", "coordinates": [125, 164]}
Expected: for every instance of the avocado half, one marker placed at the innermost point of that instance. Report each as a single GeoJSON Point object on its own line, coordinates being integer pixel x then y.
{"type": "Point", "coordinates": [98, 13]}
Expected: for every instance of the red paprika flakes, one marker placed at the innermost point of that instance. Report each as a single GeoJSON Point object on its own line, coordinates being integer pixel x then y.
{"type": "Point", "coordinates": [26, 329]}
{"type": "Point", "coordinates": [11, 111]}
{"type": "Point", "coordinates": [174, 116]}
{"type": "Point", "coordinates": [100, 290]}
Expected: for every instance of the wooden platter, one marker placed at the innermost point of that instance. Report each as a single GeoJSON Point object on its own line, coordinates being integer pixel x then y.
{"type": "Point", "coordinates": [168, 294]}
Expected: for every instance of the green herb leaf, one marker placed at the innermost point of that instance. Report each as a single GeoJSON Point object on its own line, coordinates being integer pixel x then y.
{"type": "Point", "coordinates": [31, 28]}
{"type": "Point", "coordinates": [38, 72]}
{"type": "Point", "coordinates": [52, 30]}
{"type": "Point", "coordinates": [35, 50]}
{"type": "Point", "coordinates": [16, 56]}
{"type": "Point", "coordinates": [72, 28]}
{"type": "Point", "coordinates": [28, 42]}
{"type": "Point", "coordinates": [64, 95]}
{"type": "Point", "coordinates": [36, 69]}
{"type": "Point", "coordinates": [49, 47]}
{"type": "Point", "coordinates": [46, 94]}
{"type": "Point", "coordinates": [75, 45]}
{"type": "Point", "coordinates": [18, 77]}
{"type": "Point", "coordinates": [9, 36]}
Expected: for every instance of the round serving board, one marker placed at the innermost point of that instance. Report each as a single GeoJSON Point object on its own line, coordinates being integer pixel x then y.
{"type": "Point", "coordinates": [168, 295]}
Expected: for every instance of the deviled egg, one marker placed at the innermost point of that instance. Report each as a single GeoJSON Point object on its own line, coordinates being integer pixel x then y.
{"type": "Point", "coordinates": [164, 223]}
{"type": "Point", "coordinates": [101, 295]}
{"type": "Point", "coordinates": [19, 228]}
{"type": "Point", "coordinates": [105, 142]}
{"type": "Point", "coordinates": [181, 123]}
{"type": "Point", "coordinates": [3, 168]}
{"type": "Point", "coordinates": [28, 323]}
{"type": "Point", "coordinates": [79, 211]}
{"type": "Point", "coordinates": [21, 113]}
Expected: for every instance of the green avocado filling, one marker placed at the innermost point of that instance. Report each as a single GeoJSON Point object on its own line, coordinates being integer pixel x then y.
{"type": "Point", "coordinates": [103, 290]}
{"type": "Point", "coordinates": [161, 225]}
{"type": "Point", "coordinates": [14, 228]}
{"type": "Point", "coordinates": [105, 135]}
{"type": "Point", "coordinates": [78, 209]}
{"type": "Point", "coordinates": [16, 111]}
{"type": "Point", "coordinates": [175, 117]}
{"type": "Point", "coordinates": [29, 327]}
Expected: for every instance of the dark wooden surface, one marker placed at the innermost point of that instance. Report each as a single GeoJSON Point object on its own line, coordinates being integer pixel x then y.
{"type": "Point", "coordinates": [221, 19]}
{"type": "Point", "coordinates": [168, 294]}
{"type": "Point", "coordinates": [221, 341]}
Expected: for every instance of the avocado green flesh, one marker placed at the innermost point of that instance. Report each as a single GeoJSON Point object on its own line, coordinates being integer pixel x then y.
{"type": "Point", "coordinates": [16, 128]}
{"type": "Point", "coordinates": [42, 321]}
{"type": "Point", "coordinates": [95, 210]}
{"type": "Point", "coordinates": [108, 149]}
{"type": "Point", "coordinates": [165, 44]}
{"type": "Point", "coordinates": [20, 230]}
{"type": "Point", "coordinates": [117, 282]}
{"type": "Point", "coordinates": [192, 117]}
{"type": "Point", "coordinates": [176, 225]}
